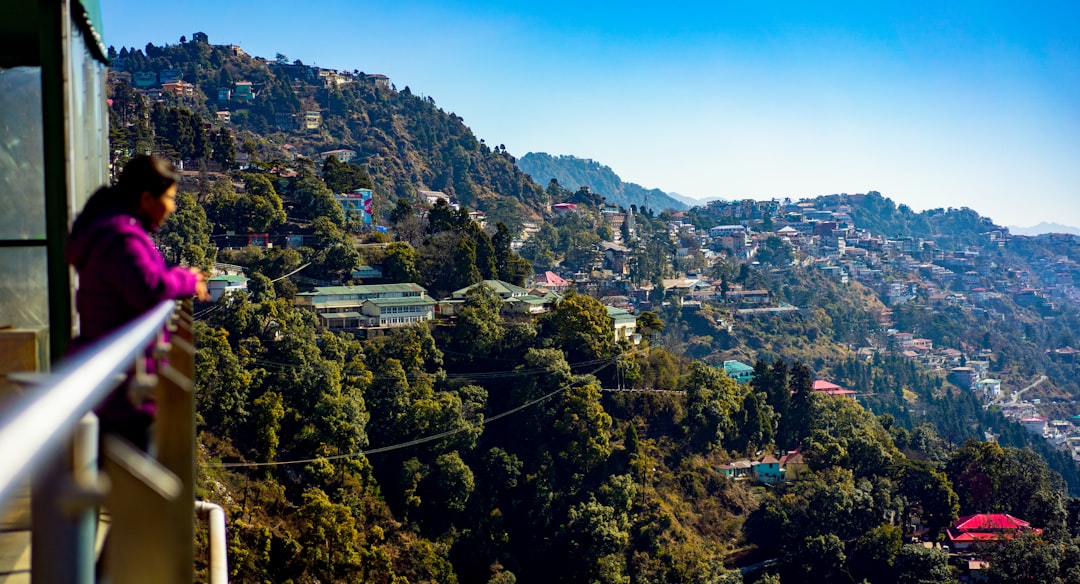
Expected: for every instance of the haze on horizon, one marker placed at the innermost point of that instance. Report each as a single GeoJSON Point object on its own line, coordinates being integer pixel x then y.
{"type": "Point", "coordinates": [959, 105]}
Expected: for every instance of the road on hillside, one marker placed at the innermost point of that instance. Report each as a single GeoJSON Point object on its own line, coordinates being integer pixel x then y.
{"type": "Point", "coordinates": [1016, 396]}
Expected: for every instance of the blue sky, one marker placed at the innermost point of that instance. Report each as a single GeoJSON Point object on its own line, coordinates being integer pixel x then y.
{"type": "Point", "coordinates": [933, 104]}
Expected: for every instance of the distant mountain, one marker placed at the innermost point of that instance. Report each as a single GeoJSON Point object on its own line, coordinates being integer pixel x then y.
{"type": "Point", "coordinates": [573, 172]}
{"type": "Point", "coordinates": [1042, 228]}
{"type": "Point", "coordinates": [692, 201]}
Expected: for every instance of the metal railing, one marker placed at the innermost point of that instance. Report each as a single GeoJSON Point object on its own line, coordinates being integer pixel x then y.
{"type": "Point", "coordinates": [49, 436]}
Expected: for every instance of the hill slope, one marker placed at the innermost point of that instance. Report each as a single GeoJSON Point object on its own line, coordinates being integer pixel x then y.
{"type": "Point", "coordinates": [572, 172]}
{"type": "Point", "coordinates": [403, 141]}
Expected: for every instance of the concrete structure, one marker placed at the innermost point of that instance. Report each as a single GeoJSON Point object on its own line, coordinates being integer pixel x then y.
{"type": "Point", "coordinates": [218, 286]}
{"type": "Point", "coordinates": [244, 91]}
{"type": "Point", "coordinates": [368, 306]}
{"type": "Point", "coordinates": [625, 325]}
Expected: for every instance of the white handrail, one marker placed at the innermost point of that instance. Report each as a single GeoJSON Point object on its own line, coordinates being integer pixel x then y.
{"type": "Point", "coordinates": [219, 550]}
{"type": "Point", "coordinates": [40, 422]}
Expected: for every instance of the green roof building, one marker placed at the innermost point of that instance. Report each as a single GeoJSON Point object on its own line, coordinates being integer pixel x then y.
{"type": "Point", "coordinates": [740, 372]}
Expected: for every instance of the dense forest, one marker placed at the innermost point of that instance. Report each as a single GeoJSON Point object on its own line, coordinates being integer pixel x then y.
{"type": "Point", "coordinates": [512, 448]}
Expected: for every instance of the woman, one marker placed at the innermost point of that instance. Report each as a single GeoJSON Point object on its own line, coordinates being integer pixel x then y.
{"type": "Point", "coordinates": [122, 274]}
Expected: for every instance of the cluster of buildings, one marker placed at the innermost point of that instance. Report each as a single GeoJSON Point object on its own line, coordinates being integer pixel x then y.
{"type": "Point", "coordinates": [155, 85]}
{"type": "Point", "coordinates": [374, 309]}
{"type": "Point", "coordinates": [768, 469]}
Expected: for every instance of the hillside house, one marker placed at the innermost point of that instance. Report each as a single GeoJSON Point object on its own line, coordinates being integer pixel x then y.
{"type": "Point", "coordinates": [615, 257]}
{"type": "Point", "coordinates": [179, 88]}
{"type": "Point", "coordinates": [738, 469]}
{"type": "Point", "coordinates": [624, 324]}
{"type": "Point", "coordinates": [516, 300]}
{"type": "Point", "coordinates": [964, 377]}
{"type": "Point", "coordinates": [378, 80]}
{"type": "Point", "coordinates": [368, 306]}
{"type": "Point", "coordinates": [754, 297]}
{"type": "Point", "coordinates": [985, 528]}
{"type": "Point", "coordinates": [561, 209]}
{"type": "Point", "coordinates": [989, 388]}
{"type": "Point", "coordinates": [432, 197]}
{"type": "Point", "coordinates": [767, 469]}
{"type": "Point", "coordinates": [551, 282]}
{"type": "Point", "coordinates": [342, 154]}
{"type": "Point", "coordinates": [366, 272]}
{"type": "Point", "coordinates": [829, 388]}
{"type": "Point", "coordinates": [793, 465]}
{"type": "Point", "coordinates": [740, 372]}
{"type": "Point", "coordinates": [219, 286]}
{"type": "Point", "coordinates": [1036, 425]}
{"type": "Point", "coordinates": [243, 91]}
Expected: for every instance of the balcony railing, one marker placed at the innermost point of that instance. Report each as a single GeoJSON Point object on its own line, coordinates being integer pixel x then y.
{"type": "Point", "coordinates": [49, 437]}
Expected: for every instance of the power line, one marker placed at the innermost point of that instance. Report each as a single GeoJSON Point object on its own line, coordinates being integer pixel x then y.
{"type": "Point", "coordinates": [400, 445]}
{"type": "Point", "coordinates": [483, 375]}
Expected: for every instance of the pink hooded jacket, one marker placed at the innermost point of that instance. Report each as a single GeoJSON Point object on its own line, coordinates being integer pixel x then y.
{"type": "Point", "coordinates": [121, 276]}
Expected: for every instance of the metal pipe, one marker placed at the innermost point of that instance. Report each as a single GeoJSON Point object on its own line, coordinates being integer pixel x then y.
{"type": "Point", "coordinates": [219, 550]}
{"type": "Point", "coordinates": [35, 428]}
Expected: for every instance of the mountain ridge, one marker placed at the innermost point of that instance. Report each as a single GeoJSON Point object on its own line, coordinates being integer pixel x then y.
{"type": "Point", "coordinates": [1044, 228]}
{"type": "Point", "coordinates": [571, 172]}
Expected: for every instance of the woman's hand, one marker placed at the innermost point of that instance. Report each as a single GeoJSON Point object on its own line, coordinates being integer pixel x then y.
{"type": "Point", "coordinates": [201, 291]}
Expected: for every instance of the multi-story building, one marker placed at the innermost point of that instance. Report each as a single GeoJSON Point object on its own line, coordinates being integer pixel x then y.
{"type": "Point", "coordinates": [369, 307]}
{"type": "Point", "coordinates": [244, 91]}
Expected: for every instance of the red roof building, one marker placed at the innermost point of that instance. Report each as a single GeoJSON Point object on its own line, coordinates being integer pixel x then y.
{"type": "Point", "coordinates": [551, 282]}
{"type": "Point", "coordinates": [832, 389]}
{"type": "Point", "coordinates": [986, 527]}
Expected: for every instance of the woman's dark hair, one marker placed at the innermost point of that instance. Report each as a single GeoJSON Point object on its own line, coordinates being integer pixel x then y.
{"type": "Point", "coordinates": [141, 174]}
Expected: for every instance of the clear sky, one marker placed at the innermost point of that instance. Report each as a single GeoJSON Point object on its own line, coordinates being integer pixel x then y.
{"type": "Point", "coordinates": [934, 104]}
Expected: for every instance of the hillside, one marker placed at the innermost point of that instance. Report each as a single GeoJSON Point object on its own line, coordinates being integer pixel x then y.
{"type": "Point", "coordinates": [499, 445]}
{"type": "Point", "coordinates": [572, 172]}
{"type": "Point", "coordinates": [405, 142]}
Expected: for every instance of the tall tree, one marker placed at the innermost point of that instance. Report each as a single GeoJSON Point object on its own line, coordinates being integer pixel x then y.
{"type": "Point", "coordinates": [581, 328]}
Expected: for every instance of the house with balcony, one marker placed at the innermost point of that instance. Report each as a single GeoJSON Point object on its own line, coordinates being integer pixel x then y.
{"type": "Point", "coordinates": [625, 325]}
{"type": "Point", "coordinates": [179, 88]}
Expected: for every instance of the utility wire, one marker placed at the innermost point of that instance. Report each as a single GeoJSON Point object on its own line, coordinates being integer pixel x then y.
{"type": "Point", "coordinates": [290, 273]}
{"type": "Point", "coordinates": [401, 445]}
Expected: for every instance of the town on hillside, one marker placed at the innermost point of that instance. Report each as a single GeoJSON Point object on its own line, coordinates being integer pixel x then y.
{"type": "Point", "coordinates": [371, 235]}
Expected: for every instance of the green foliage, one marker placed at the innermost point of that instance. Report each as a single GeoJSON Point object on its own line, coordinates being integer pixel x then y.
{"type": "Point", "coordinates": [257, 210]}
{"type": "Point", "coordinates": [581, 328]}
{"type": "Point", "coordinates": [343, 177]}
{"type": "Point", "coordinates": [1026, 558]}
{"type": "Point", "coordinates": [916, 564]}
{"type": "Point", "coordinates": [711, 400]}
{"type": "Point", "coordinates": [185, 236]}
{"type": "Point", "coordinates": [478, 328]}
{"type": "Point", "coordinates": [569, 484]}
{"type": "Point", "coordinates": [400, 263]}
{"type": "Point", "coordinates": [989, 478]}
